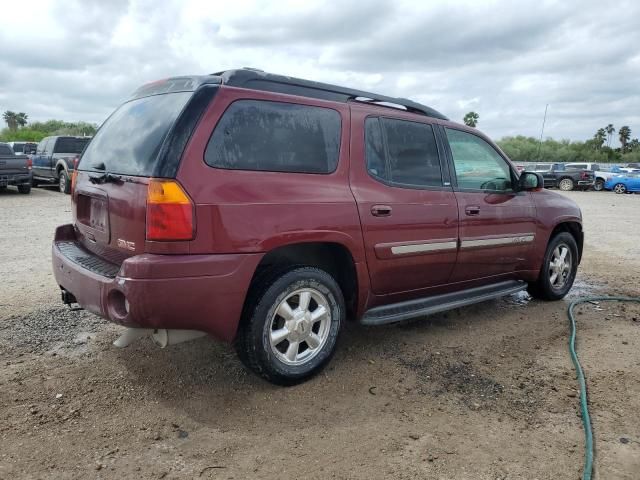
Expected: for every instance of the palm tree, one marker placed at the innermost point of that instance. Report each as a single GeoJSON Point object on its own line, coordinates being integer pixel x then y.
{"type": "Point", "coordinates": [12, 120]}
{"type": "Point", "coordinates": [610, 131]}
{"type": "Point", "coordinates": [634, 145]}
{"type": "Point", "coordinates": [471, 119]}
{"type": "Point", "coordinates": [599, 138]}
{"type": "Point", "coordinates": [21, 118]}
{"type": "Point", "coordinates": [624, 134]}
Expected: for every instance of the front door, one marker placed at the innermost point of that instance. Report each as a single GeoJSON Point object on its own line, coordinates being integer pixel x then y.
{"type": "Point", "coordinates": [497, 224]}
{"type": "Point", "coordinates": [41, 161]}
{"type": "Point", "coordinates": [409, 217]}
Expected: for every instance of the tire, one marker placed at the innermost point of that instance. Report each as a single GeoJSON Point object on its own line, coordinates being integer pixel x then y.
{"type": "Point", "coordinates": [620, 188]}
{"type": "Point", "coordinates": [271, 355]}
{"type": "Point", "coordinates": [566, 184]}
{"type": "Point", "coordinates": [34, 183]}
{"type": "Point", "coordinates": [64, 185]}
{"type": "Point", "coordinates": [26, 189]}
{"type": "Point", "coordinates": [598, 186]}
{"type": "Point", "coordinates": [548, 287]}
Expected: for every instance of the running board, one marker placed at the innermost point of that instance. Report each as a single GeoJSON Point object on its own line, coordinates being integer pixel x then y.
{"type": "Point", "coordinates": [397, 312]}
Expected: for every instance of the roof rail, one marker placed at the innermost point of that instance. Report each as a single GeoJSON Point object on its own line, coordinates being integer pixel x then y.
{"type": "Point", "coordinates": [260, 80]}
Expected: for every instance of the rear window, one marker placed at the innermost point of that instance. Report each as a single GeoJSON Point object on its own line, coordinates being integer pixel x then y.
{"type": "Point", "coordinates": [129, 141]}
{"type": "Point", "coordinates": [70, 145]}
{"type": "Point", "coordinates": [5, 150]}
{"type": "Point", "coordinates": [276, 137]}
{"type": "Point", "coordinates": [18, 147]}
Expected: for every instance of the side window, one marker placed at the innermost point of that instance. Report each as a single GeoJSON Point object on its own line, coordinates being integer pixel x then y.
{"type": "Point", "coordinates": [478, 166]}
{"type": "Point", "coordinates": [374, 148]}
{"type": "Point", "coordinates": [411, 152]}
{"type": "Point", "coordinates": [276, 137]}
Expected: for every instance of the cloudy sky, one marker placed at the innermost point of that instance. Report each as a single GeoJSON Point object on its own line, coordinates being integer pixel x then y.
{"type": "Point", "coordinates": [503, 59]}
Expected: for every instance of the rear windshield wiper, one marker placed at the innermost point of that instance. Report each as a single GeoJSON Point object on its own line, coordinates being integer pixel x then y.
{"type": "Point", "coordinates": [105, 178]}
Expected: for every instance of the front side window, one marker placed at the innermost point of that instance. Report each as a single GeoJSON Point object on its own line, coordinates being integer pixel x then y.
{"type": "Point", "coordinates": [276, 137]}
{"type": "Point", "coordinates": [402, 153]}
{"type": "Point", "coordinates": [478, 166]}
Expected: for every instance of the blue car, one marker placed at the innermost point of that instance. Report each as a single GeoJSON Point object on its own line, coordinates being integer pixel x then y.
{"type": "Point", "coordinates": [624, 183]}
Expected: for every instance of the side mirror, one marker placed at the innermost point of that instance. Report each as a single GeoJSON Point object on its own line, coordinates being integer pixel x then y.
{"type": "Point", "coordinates": [530, 181]}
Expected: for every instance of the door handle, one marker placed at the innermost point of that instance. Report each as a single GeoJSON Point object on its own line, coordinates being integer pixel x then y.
{"type": "Point", "coordinates": [381, 210]}
{"type": "Point", "coordinates": [472, 210]}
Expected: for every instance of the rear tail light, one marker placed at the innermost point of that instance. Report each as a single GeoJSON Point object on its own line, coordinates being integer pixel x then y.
{"type": "Point", "coordinates": [585, 175]}
{"type": "Point", "coordinates": [29, 163]}
{"type": "Point", "coordinates": [170, 213]}
{"type": "Point", "coordinates": [74, 175]}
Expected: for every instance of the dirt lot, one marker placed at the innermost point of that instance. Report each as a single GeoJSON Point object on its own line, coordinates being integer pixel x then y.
{"type": "Point", "coordinates": [486, 392]}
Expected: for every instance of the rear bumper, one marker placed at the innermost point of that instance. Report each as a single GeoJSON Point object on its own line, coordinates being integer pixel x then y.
{"type": "Point", "coordinates": [194, 292]}
{"type": "Point", "coordinates": [14, 179]}
{"type": "Point", "coordinates": [585, 183]}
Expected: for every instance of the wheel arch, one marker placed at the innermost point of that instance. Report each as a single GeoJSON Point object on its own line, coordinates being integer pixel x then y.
{"type": "Point", "coordinates": [333, 257]}
{"type": "Point", "coordinates": [574, 228]}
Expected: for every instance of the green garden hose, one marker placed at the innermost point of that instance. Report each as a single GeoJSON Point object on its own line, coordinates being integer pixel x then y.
{"type": "Point", "coordinates": [584, 406]}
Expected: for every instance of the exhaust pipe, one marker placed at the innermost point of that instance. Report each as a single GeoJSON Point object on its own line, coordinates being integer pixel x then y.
{"type": "Point", "coordinates": [164, 337]}
{"type": "Point", "coordinates": [161, 337]}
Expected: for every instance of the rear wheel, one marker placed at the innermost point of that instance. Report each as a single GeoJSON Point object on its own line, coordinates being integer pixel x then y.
{"type": "Point", "coordinates": [599, 185]}
{"type": "Point", "coordinates": [620, 188]}
{"type": "Point", "coordinates": [559, 268]}
{"type": "Point", "coordinates": [290, 325]}
{"type": "Point", "coordinates": [63, 182]}
{"type": "Point", "coordinates": [24, 189]}
{"type": "Point", "coordinates": [566, 184]}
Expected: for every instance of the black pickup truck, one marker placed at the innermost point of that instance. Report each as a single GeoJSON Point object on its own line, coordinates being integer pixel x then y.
{"type": "Point", "coordinates": [556, 175]}
{"type": "Point", "coordinates": [14, 169]}
{"type": "Point", "coordinates": [53, 160]}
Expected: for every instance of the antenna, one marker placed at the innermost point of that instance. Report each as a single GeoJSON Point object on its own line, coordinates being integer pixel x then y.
{"type": "Point", "coordinates": [544, 120]}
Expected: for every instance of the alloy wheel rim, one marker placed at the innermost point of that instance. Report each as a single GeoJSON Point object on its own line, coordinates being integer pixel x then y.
{"type": "Point", "coordinates": [300, 326]}
{"type": "Point", "coordinates": [619, 188]}
{"type": "Point", "coordinates": [565, 184]}
{"type": "Point", "coordinates": [560, 266]}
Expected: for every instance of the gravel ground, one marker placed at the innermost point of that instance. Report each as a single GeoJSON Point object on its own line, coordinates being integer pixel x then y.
{"type": "Point", "coordinates": [486, 392]}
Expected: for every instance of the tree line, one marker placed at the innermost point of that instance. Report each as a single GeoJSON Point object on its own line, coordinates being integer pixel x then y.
{"type": "Point", "coordinates": [596, 150]}
{"type": "Point", "coordinates": [20, 129]}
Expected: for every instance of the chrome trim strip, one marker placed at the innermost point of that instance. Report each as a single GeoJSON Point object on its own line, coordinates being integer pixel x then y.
{"type": "Point", "coordinates": [497, 242]}
{"type": "Point", "coordinates": [424, 247]}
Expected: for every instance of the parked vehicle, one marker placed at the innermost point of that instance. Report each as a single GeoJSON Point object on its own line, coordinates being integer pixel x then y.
{"type": "Point", "coordinates": [14, 169]}
{"type": "Point", "coordinates": [54, 159]}
{"type": "Point", "coordinates": [602, 174]}
{"type": "Point", "coordinates": [634, 165]}
{"type": "Point", "coordinates": [624, 183]}
{"type": "Point", "coordinates": [557, 175]}
{"type": "Point", "coordinates": [266, 210]}
{"type": "Point", "coordinates": [26, 148]}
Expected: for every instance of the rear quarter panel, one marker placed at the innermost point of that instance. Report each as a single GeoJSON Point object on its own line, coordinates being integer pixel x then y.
{"type": "Point", "coordinates": [253, 212]}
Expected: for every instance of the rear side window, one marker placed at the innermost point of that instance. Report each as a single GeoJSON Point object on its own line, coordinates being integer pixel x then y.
{"type": "Point", "coordinates": [5, 150]}
{"type": "Point", "coordinates": [402, 153]}
{"type": "Point", "coordinates": [276, 137]}
{"type": "Point", "coordinates": [129, 141]}
{"type": "Point", "coordinates": [70, 145]}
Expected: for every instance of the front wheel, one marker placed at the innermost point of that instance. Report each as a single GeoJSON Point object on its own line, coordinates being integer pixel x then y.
{"type": "Point", "coordinates": [25, 189]}
{"type": "Point", "coordinates": [63, 182]}
{"type": "Point", "coordinates": [566, 184]}
{"type": "Point", "coordinates": [620, 188]}
{"type": "Point", "coordinates": [290, 325]}
{"type": "Point", "coordinates": [559, 268]}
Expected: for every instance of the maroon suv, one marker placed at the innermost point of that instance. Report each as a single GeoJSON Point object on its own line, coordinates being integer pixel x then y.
{"type": "Point", "coordinates": [266, 210]}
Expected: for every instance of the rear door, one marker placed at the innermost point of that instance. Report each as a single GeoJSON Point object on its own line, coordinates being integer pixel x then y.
{"type": "Point", "coordinates": [497, 224]}
{"type": "Point", "coordinates": [407, 207]}
{"type": "Point", "coordinates": [41, 158]}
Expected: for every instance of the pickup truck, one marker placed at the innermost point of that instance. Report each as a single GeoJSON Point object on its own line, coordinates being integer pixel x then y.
{"type": "Point", "coordinates": [54, 159]}
{"type": "Point", "coordinates": [557, 175]}
{"type": "Point", "coordinates": [14, 169]}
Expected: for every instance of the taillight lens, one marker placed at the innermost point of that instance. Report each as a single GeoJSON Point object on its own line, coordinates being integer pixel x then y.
{"type": "Point", "coordinates": [169, 211]}
{"type": "Point", "coordinates": [74, 175]}
{"type": "Point", "coordinates": [29, 163]}
{"type": "Point", "coordinates": [585, 175]}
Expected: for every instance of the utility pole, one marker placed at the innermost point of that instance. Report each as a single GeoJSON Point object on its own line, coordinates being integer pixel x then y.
{"type": "Point", "coordinates": [542, 131]}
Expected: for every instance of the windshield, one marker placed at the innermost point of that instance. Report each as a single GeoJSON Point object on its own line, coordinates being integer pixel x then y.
{"type": "Point", "coordinates": [129, 141]}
